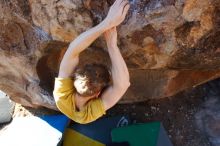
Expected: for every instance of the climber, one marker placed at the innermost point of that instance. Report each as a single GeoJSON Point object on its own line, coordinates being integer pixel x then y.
{"type": "Point", "coordinates": [84, 94]}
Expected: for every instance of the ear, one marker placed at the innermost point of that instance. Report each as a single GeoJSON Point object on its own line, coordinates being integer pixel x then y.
{"type": "Point", "coordinates": [97, 94]}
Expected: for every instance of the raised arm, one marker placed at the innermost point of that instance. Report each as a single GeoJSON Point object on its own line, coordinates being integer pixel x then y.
{"type": "Point", "coordinates": [71, 57]}
{"type": "Point", "coordinates": [120, 74]}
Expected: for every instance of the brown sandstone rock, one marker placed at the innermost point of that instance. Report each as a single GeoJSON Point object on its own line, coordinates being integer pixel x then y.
{"type": "Point", "coordinates": [168, 45]}
{"type": "Point", "coordinates": [63, 20]}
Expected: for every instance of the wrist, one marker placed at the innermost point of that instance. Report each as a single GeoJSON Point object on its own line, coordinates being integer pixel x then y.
{"type": "Point", "coordinates": [112, 45]}
{"type": "Point", "coordinates": [102, 27]}
{"type": "Point", "coordinates": [106, 24]}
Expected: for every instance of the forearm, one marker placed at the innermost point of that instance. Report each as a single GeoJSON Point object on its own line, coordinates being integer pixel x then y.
{"type": "Point", "coordinates": [86, 38]}
{"type": "Point", "coordinates": [120, 77]}
{"type": "Point", "coordinates": [71, 57]}
{"type": "Point", "coordinates": [120, 74]}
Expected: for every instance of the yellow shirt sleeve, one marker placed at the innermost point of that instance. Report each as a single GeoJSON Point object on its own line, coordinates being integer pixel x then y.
{"type": "Point", "coordinates": [64, 97]}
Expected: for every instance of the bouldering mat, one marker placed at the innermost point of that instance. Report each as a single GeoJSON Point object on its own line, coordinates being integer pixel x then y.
{"type": "Point", "coordinates": [59, 121]}
{"type": "Point", "coordinates": [33, 131]}
{"type": "Point", "coordinates": [148, 134]}
{"type": "Point", "coordinates": [98, 131]}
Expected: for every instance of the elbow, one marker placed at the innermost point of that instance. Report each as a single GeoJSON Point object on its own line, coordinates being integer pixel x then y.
{"type": "Point", "coordinates": [126, 82]}
{"type": "Point", "coordinates": [127, 85]}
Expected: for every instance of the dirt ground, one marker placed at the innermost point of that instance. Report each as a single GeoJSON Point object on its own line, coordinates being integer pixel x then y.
{"type": "Point", "coordinates": [177, 114]}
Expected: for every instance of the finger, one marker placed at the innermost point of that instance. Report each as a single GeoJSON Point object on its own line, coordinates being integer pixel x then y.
{"type": "Point", "coordinates": [117, 2]}
{"type": "Point", "coordinates": [114, 28]}
{"type": "Point", "coordinates": [122, 6]}
{"type": "Point", "coordinates": [125, 10]}
{"type": "Point", "coordinates": [106, 34]}
{"type": "Point", "coordinates": [123, 3]}
{"type": "Point", "coordinates": [109, 31]}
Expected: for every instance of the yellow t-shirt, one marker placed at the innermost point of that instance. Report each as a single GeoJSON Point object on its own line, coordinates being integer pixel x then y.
{"type": "Point", "coordinates": [64, 92]}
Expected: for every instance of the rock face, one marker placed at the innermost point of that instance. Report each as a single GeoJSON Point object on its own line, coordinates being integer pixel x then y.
{"type": "Point", "coordinates": [168, 45]}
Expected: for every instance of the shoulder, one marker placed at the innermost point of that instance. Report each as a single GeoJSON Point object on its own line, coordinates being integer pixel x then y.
{"type": "Point", "coordinates": [63, 87]}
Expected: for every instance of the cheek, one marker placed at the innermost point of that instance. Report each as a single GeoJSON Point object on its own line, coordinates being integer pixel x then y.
{"type": "Point", "coordinates": [80, 86]}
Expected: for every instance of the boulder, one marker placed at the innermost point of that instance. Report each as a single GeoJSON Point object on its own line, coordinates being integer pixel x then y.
{"type": "Point", "coordinates": [168, 45]}
{"type": "Point", "coordinates": [6, 108]}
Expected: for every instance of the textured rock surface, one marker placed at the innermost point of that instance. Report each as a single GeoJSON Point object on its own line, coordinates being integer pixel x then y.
{"type": "Point", "coordinates": [63, 20]}
{"type": "Point", "coordinates": [168, 45]}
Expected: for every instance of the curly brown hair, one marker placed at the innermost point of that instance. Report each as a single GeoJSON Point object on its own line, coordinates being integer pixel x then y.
{"type": "Point", "coordinates": [95, 76]}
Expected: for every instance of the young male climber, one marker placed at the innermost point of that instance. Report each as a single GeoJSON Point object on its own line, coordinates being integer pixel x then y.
{"type": "Point", "coordinates": [84, 94]}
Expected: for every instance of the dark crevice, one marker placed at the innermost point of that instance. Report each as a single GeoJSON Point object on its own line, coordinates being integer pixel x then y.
{"type": "Point", "coordinates": [48, 67]}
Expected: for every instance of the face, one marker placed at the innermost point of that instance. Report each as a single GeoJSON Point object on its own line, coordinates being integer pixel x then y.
{"type": "Point", "coordinates": [81, 87]}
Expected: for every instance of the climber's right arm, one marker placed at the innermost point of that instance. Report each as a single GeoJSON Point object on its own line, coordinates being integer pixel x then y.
{"type": "Point", "coordinates": [71, 57]}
